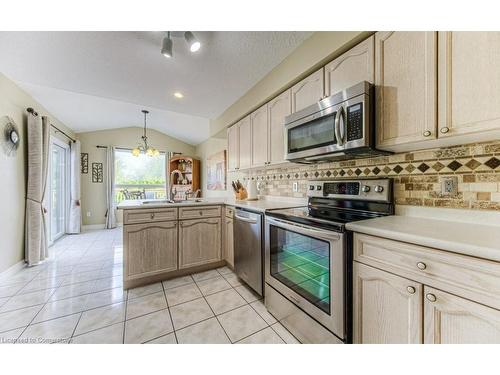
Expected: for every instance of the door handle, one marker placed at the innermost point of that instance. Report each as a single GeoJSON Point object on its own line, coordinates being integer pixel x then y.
{"type": "Point", "coordinates": [338, 133]}
{"type": "Point", "coordinates": [251, 221]}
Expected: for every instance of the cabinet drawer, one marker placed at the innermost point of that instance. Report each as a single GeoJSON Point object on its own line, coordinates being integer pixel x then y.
{"type": "Point", "coordinates": [148, 216]}
{"type": "Point", "coordinates": [466, 276]}
{"type": "Point", "coordinates": [199, 212]}
{"type": "Point", "coordinates": [230, 212]}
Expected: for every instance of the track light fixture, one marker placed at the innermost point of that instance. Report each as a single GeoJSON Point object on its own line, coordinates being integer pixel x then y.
{"type": "Point", "coordinates": [167, 44]}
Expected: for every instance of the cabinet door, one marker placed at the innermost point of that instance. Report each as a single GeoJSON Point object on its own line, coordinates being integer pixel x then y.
{"type": "Point", "coordinates": [233, 154]}
{"type": "Point", "coordinates": [449, 319]}
{"type": "Point", "coordinates": [469, 78]}
{"type": "Point", "coordinates": [150, 248]}
{"type": "Point", "coordinates": [228, 242]}
{"type": "Point", "coordinates": [387, 308]}
{"type": "Point", "coordinates": [199, 242]}
{"type": "Point", "coordinates": [308, 91]}
{"type": "Point", "coordinates": [245, 143]}
{"type": "Point", "coordinates": [354, 66]}
{"type": "Point", "coordinates": [278, 109]}
{"type": "Point", "coordinates": [406, 84]}
{"type": "Point", "coordinates": [259, 131]}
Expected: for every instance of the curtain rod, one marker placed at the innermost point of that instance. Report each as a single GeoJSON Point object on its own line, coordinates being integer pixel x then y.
{"type": "Point", "coordinates": [34, 113]}
{"type": "Point", "coordinates": [129, 149]}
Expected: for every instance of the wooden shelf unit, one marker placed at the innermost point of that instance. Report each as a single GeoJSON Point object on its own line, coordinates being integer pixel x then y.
{"type": "Point", "coordinates": [190, 169]}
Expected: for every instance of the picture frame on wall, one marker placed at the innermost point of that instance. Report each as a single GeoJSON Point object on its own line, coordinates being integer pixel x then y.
{"type": "Point", "coordinates": [97, 176]}
{"type": "Point", "coordinates": [216, 171]}
{"type": "Point", "coordinates": [84, 162]}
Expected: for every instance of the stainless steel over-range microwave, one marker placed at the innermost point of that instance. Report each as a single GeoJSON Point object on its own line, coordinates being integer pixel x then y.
{"type": "Point", "coordinates": [338, 127]}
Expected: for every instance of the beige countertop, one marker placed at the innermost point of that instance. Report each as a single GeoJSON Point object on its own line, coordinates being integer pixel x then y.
{"type": "Point", "coordinates": [478, 240]}
{"type": "Point", "coordinates": [260, 205]}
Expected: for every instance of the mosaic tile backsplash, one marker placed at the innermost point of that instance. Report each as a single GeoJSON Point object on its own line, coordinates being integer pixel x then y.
{"type": "Point", "coordinates": [417, 176]}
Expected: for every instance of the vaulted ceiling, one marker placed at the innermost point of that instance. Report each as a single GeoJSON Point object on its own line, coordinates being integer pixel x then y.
{"type": "Point", "coordinates": [101, 80]}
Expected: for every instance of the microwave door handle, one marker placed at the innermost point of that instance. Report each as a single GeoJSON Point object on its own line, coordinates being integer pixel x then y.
{"type": "Point", "coordinates": [337, 127]}
{"type": "Point", "coordinates": [342, 125]}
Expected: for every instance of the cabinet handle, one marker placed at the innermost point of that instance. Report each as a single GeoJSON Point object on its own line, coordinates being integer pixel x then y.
{"type": "Point", "coordinates": [444, 130]}
{"type": "Point", "coordinates": [410, 289]}
{"type": "Point", "coordinates": [421, 266]}
{"type": "Point", "coordinates": [427, 133]}
{"type": "Point", "coordinates": [431, 297]}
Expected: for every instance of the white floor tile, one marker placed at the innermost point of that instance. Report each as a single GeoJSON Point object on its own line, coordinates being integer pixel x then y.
{"type": "Point", "coordinates": [284, 334]}
{"type": "Point", "coordinates": [241, 322]}
{"type": "Point", "coordinates": [182, 294]}
{"type": "Point", "coordinates": [109, 335]}
{"type": "Point", "coordinates": [266, 336]}
{"type": "Point", "coordinates": [148, 327]}
{"type": "Point", "coordinates": [224, 301]}
{"type": "Point", "coordinates": [62, 307]}
{"type": "Point", "coordinates": [25, 300]}
{"type": "Point", "coordinates": [144, 290]}
{"type": "Point", "coordinates": [101, 317]}
{"type": "Point", "coordinates": [18, 318]}
{"type": "Point", "coordinates": [178, 281]}
{"type": "Point", "coordinates": [248, 294]}
{"type": "Point", "coordinates": [262, 311]}
{"type": "Point", "coordinates": [214, 285]}
{"type": "Point", "coordinates": [190, 312]}
{"type": "Point", "coordinates": [167, 339]}
{"type": "Point", "coordinates": [51, 331]}
{"type": "Point", "coordinates": [206, 332]}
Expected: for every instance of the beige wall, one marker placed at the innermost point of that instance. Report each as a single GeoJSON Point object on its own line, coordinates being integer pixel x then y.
{"type": "Point", "coordinates": [203, 151]}
{"type": "Point", "coordinates": [13, 103]}
{"type": "Point", "coordinates": [313, 53]}
{"type": "Point", "coordinates": [93, 194]}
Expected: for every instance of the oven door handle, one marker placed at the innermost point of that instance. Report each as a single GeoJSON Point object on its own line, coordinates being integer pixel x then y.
{"type": "Point", "coordinates": [319, 233]}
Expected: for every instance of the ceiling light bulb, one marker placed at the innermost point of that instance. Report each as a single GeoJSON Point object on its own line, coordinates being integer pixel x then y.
{"type": "Point", "coordinates": [156, 152]}
{"type": "Point", "coordinates": [193, 43]}
{"type": "Point", "coordinates": [136, 151]}
{"type": "Point", "coordinates": [166, 47]}
{"type": "Point", "coordinates": [150, 151]}
{"type": "Point", "coordinates": [178, 95]}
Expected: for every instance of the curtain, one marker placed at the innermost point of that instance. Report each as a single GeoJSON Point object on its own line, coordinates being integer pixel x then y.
{"type": "Point", "coordinates": [36, 242]}
{"type": "Point", "coordinates": [75, 210]}
{"type": "Point", "coordinates": [168, 156]}
{"type": "Point", "coordinates": [110, 188]}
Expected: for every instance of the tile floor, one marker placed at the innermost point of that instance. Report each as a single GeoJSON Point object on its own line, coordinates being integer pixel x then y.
{"type": "Point", "coordinates": [77, 297]}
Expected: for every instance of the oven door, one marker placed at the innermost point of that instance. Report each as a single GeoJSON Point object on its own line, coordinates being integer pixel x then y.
{"type": "Point", "coordinates": [306, 265]}
{"type": "Point", "coordinates": [312, 135]}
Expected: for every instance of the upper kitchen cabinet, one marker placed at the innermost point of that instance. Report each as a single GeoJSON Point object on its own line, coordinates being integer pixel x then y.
{"type": "Point", "coordinates": [406, 85]}
{"type": "Point", "coordinates": [469, 78]}
{"type": "Point", "coordinates": [259, 131]}
{"type": "Point", "coordinates": [278, 109]}
{"type": "Point", "coordinates": [354, 66]}
{"type": "Point", "coordinates": [244, 143]}
{"type": "Point", "coordinates": [308, 91]}
{"type": "Point", "coordinates": [233, 154]}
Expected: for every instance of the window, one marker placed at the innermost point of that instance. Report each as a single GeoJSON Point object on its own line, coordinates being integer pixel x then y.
{"type": "Point", "coordinates": [139, 177]}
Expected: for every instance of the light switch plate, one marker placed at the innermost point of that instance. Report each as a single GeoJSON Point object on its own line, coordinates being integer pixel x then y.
{"type": "Point", "coordinates": [88, 214]}
{"type": "Point", "coordinates": [295, 187]}
{"type": "Point", "coordinates": [449, 186]}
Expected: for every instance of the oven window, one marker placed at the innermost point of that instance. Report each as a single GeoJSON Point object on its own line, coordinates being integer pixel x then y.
{"type": "Point", "coordinates": [316, 133]}
{"type": "Point", "coordinates": [302, 263]}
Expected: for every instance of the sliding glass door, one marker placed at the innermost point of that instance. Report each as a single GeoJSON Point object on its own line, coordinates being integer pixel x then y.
{"type": "Point", "coordinates": [58, 189]}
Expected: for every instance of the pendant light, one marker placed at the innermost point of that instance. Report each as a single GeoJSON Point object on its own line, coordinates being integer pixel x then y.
{"type": "Point", "coordinates": [144, 147]}
{"type": "Point", "coordinates": [193, 43]}
{"type": "Point", "coordinates": [166, 46]}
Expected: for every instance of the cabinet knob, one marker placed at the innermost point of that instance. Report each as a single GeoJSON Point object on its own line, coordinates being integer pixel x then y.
{"type": "Point", "coordinates": [421, 266]}
{"type": "Point", "coordinates": [431, 297]}
{"type": "Point", "coordinates": [444, 130]}
{"type": "Point", "coordinates": [152, 216]}
{"type": "Point", "coordinates": [410, 289]}
{"type": "Point", "coordinates": [427, 133]}
{"type": "Point", "coordinates": [201, 213]}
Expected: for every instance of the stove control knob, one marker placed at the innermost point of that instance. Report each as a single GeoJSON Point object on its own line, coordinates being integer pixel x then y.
{"type": "Point", "coordinates": [311, 187]}
{"type": "Point", "coordinates": [379, 189]}
{"type": "Point", "coordinates": [365, 188]}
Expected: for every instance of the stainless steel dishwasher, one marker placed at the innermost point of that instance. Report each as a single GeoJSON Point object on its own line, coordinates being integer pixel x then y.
{"type": "Point", "coordinates": [248, 252]}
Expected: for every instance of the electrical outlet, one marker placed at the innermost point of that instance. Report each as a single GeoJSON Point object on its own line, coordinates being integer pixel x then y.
{"type": "Point", "coordinates": [89, 214]}
{"type": "Point", "coordinates": [295, 187]}
{"type": "Point", "coordinates": [449, 186]}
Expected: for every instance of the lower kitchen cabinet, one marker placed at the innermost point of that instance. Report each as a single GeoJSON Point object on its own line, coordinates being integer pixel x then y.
{"type": "Point", "coordinates": [199, 242]}
{"type": "Point", "coordinates": [228, 241]}
{"type": "Point", "coordinates": [387, 308]}
{"type": "Point", "coordinates": [150, 249]}
{"type": "Point", "coordinates": [449, 319]}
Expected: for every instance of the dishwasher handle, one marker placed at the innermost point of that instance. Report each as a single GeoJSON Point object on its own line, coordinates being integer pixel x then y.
{"type": "Point", "coordinates": [246, 220]}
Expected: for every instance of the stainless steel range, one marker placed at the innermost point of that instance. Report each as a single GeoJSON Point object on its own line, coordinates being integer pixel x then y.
{"type": "Point", "coordinates": [308, 257]}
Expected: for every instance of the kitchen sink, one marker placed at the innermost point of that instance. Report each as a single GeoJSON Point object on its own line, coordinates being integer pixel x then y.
{"type": "Point", "coordinates": [167, 201]}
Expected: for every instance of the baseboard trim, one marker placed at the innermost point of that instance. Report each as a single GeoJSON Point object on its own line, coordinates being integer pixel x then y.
{"type": "Point", "coordinates": [13, 269]}
{"type": "Point", "coordinates": [97, 226]}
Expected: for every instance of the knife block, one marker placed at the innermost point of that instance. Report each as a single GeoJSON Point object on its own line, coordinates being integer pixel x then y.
{"type": "Point", "coordinates": [241, 194]}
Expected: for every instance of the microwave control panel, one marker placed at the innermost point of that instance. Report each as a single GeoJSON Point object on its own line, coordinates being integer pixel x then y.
{"type": "Point", "coordinates": [355, 122]}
